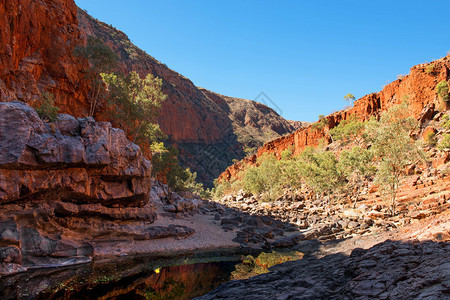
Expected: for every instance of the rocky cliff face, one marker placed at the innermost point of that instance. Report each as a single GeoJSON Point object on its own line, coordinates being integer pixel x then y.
{"type": "Point", "coordinates": [69, 188]}
{"type": "Point", "coordinates": [418, 89]}
{"type": "Point", "coordinates": [36, 43]}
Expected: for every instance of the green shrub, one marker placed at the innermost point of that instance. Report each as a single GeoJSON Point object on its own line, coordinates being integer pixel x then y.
{"type": "Point", "coordinates": [430, 69]}
{"type": "Point", "coordinates": [266, 178]}
{"type": "Point", "coordinates": [349, 129]}
{"type": "Point", "coordinates": [430, 138]}
{"type": "Point", "coordinates": [222, 188]}
{"type": "Point", "coordinates": [445, 143]}
{"type": "Point", "coordinates": [166, 167]}
{"type": "Point", "coordinates": [443, 91]}
{"type": "Point", "coordinates": [47, 110]}
{"type": "Point", "coordinates": [320, 170]}
{"type": "Point", "coordinates": [445, 123]}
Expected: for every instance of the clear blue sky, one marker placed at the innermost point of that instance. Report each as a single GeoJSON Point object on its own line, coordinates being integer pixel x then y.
{"type": "Point", "coordinates": [305, 55]}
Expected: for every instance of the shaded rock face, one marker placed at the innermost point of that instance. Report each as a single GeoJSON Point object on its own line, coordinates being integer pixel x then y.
{"type": "Point", "coordinates": [389, 270]}
{"type": "Point", "coordinates": [418, 89]}
{"type": "Point", "coordinates": [68, 188]}
{"type": "Point", "coordinates": [37, 39]}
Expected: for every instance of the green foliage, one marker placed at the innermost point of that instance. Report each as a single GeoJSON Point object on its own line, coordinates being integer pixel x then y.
{"type": "Point", "coordinates": [47, 110]}
{"type": "Point", "coordinates": [430, 69]}
{"type": "Point", "coordinates": [347, 130]}
{"type": "Point", "coordinates": [101, 60]}
{"type": "Point", "coordinates": [249, 150]}
{"type": "Point", "coordinates": [222, 188]}
{"type": "Point", "coordinates": [319, 125]}
{"type": "Point", "coordinates": [356, 164]}
{"type": "Point", "coordinates": [136, 103]}
{"type": "Point", "coordinates": [443, 91]}
{"type": "Point", "coordinates": [393, 147]}
{"type": "Point", "coordinates": [445, 142]}
{"type": "Point", "coordinates": [349, 98]}
{"type": "Point", "coordinates": [264, 178]}
{"type": "Point", "coordinates": [252, 266]}
{"type": "Point", "coordinates": [445, 123]}
{"type": "Point", "coordinates": [430, 138]}
{"type": "Point", "coordinates": [320, 170]}
{"type": "Point", "coordinates": [166, 166]}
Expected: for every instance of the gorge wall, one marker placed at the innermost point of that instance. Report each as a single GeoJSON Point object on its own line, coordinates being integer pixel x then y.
{"type": "Point", "coordinates": [418, 89]}
{"type": "Point", "coordinates": [36, 43]}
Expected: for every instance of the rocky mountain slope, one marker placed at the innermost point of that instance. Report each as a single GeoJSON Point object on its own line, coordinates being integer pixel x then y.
{"type": "Point", "coordinates": [417, 88]}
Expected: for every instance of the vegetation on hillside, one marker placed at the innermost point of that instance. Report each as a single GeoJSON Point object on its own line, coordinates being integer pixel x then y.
{"type": "Point", "coordinates": [382, 149]}
{"type": "Point", "coordinates": [442, 90]}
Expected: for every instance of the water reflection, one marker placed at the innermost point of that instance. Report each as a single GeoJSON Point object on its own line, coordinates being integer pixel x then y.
{"type": "Point", "coordinates": [125, 278]}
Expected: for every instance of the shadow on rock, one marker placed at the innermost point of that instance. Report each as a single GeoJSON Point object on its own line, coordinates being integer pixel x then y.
{"type": "Point", "coordinates": [389, 270]}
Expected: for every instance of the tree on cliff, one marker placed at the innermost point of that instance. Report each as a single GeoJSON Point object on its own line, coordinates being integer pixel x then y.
{"type": "Point", "coordinates": [393, 147]}
{"type": "Point", "coordinates": [349, 98]}
{"type": "Point", "coordinates": [101, 59]}
{"type": "Point", "coordinates": [135, 103]}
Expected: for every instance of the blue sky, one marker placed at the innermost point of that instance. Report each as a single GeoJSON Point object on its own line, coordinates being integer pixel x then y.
{"type": "Point", "coordinates": [305, 55]}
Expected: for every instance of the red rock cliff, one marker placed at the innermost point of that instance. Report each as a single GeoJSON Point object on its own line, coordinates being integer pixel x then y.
{"type": "Point", "coordinates": [36, 43]}
{"type": "Point", "coordinates": [418, 89]}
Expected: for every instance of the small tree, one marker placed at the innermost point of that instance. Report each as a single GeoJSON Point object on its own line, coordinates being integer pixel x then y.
{"type": "Point", "coordinates": [136, 103]}
{"type": "Point", "coordinates": [101, 60]}
{"type": "Point", "coordinates": [320, 170]}
{"type": "Point", "coordinates": [320, 124]}
{"type": "Point", "coordinates": [349, 98]}
{"type": "Point", "coordinates": [393, 147]}
{"type": "Point", "coordinates": [356, 164]}
{"type": "Point", "coordinates": [348, 130]}
{"type": "Point", "coordinates": [47, 110]}
{"type": "Point", "coordinates": [264, 178]}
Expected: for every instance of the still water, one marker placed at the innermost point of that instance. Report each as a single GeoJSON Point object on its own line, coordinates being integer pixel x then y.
{"type": "Point", "coordinates": [124, 278]}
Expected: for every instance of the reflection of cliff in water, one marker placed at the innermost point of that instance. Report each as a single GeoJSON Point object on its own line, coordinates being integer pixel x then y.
{"type": "Point", "coordinates": [136, 278]}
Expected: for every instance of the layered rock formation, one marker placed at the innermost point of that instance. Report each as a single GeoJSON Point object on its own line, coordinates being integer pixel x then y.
{"type": "Point", "coordinates": [70, 188]}
{"type": "Point", "coordinates": [418, 89]}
